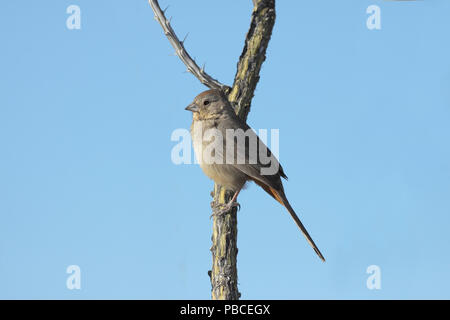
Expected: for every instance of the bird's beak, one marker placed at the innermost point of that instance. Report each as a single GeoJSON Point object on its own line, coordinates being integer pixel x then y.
{"type": "Point", "coordinates": [192, 107]}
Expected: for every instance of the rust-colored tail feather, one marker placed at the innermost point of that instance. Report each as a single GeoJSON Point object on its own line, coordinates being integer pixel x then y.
{"type": "Point", "coordinates": [281, 198]}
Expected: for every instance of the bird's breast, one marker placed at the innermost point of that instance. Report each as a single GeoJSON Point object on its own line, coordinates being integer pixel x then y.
{"type": "Point", "coordinates": [209, 152]}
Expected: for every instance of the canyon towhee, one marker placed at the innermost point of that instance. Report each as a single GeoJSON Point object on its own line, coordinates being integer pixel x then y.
{"type": "Point", "coordinates": [230, 153]}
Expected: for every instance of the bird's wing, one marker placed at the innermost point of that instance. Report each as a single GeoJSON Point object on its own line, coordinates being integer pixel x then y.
{"type": "Point", "coordinates": [252, 156]}
{"type": "Point", "coordinates": [263, 168]}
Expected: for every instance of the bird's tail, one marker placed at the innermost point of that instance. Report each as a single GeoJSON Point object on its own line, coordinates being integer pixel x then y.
{"type": "Point", "coordinates": [302, 228]}
{"type": "Point", "coordinates": [281, 198]}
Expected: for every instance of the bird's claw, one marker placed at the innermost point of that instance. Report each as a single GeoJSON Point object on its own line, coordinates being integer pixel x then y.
{"type": "Point", "coordinates": [225, 208]}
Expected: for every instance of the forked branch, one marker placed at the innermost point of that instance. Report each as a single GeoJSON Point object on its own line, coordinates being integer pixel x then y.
{"type": "Point", "coordinates": [224, 239]}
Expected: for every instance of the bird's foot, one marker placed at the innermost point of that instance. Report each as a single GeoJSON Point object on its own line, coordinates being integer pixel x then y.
{"type": "Point", "coordinates": [222, 209]}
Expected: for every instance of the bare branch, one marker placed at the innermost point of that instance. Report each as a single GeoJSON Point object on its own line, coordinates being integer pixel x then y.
{"type": "Point", "coordinates": [253, 55]}
{"type": "Point", "coordinates": [181, 52]}
{"type": "Point", "coordinates": [224, 239]}
{"type": "Point", "coordinates": [224, 248]}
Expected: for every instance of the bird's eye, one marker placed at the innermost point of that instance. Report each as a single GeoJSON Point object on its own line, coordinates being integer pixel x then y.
{"type": "Point", "coordinates": [206, 102]}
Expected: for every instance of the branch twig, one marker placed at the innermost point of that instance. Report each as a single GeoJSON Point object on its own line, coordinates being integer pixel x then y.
{"type": "Point", "coordinates": [181, 52]}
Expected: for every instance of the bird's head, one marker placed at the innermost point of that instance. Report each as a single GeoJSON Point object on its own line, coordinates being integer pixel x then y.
{"type": "Point", "coordinates": [210, 104]}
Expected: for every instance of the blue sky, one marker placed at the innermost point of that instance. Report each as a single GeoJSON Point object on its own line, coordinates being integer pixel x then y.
{"type": "Point", "coordinates": [86, 176]}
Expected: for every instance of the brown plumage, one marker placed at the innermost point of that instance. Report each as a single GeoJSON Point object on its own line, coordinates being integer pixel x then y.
{"type": "Point", "coordinates": [230, 153]}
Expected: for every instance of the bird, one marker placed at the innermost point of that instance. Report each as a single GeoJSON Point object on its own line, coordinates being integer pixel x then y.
{"type": "Point", "coordinates": [230, 153]}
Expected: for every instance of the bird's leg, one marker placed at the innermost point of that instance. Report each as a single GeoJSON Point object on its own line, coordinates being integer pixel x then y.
{"type": "Point", "coordinates": [231, 204]}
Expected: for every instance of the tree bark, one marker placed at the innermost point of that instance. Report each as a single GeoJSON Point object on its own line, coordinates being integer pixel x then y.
{"type": "Point", "coordinates": [224, 278]}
